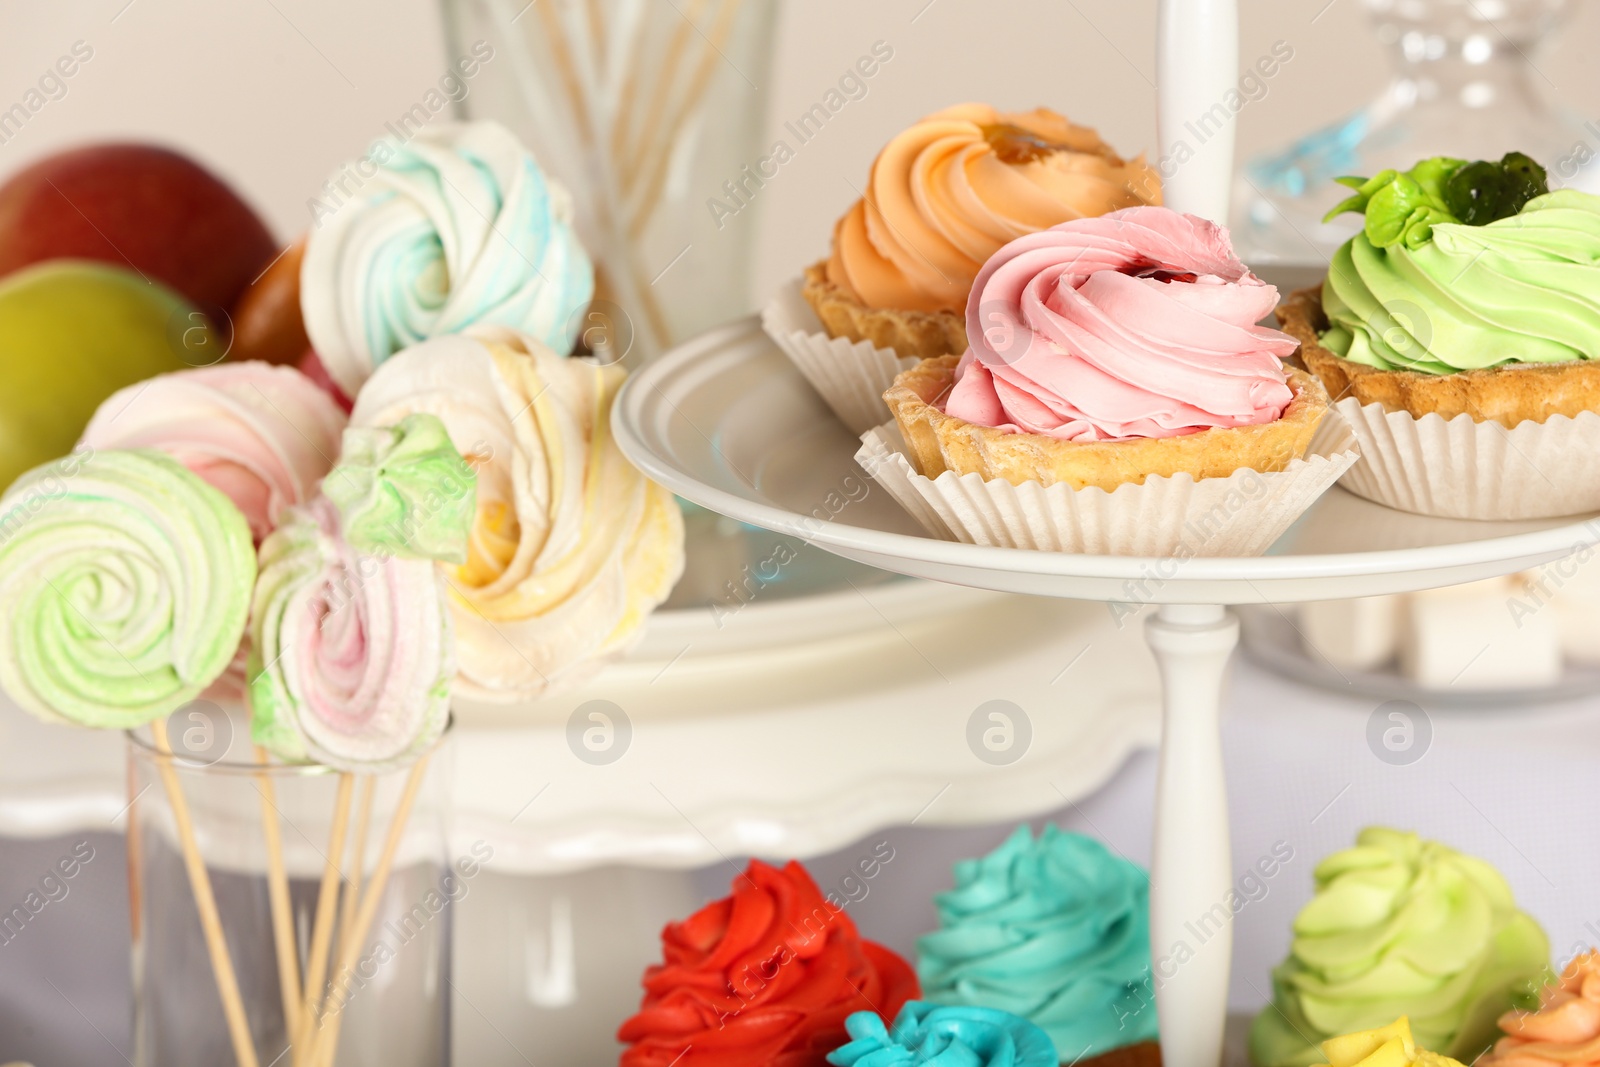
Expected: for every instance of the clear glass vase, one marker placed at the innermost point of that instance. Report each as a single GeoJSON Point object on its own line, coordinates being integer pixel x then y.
{"type": "Point", "coordinates": [381, 968]}
{"type": "Point", "coordinates": [1466, 84]}
{"type": "Point", "coordinates": [647, 112]}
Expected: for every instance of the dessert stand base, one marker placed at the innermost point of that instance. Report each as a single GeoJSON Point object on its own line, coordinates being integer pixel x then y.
{"type": "Point", "coordinates": [727, 422]}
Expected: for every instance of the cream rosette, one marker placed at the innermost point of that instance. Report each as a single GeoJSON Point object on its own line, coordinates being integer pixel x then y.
{"type": "Point", "coordinates": [571, 547]}
{"type": "Point", "coordinates": [457, 226]}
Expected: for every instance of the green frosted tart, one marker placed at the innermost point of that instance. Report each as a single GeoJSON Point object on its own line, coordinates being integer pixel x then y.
{"type": "Point", "coordinates": [1510, 393]}
{"type": "Point", "coordinates": [1471, 289]}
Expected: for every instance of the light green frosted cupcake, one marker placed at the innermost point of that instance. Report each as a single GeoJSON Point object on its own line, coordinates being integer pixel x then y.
{"type": "Point", "coordinates": [1401, 926]}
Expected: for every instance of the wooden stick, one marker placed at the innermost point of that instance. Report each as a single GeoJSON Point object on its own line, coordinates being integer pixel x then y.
{"type": "Point", "coordinates": [327, 1038]}
{"type": "Point", "coordinates": [698, 84]}
{"type": "Point", "coordinates": [282, 913]}
{"type": "Point", "coordinates": [358, 856]}
{"type": "Point", "coordinates": [658, 100]}
{"type": "Point", "coordinates": [561, 51]}
{"type": "Point", "coordinates": [244, 1046]}
{"type": "Point", "coordinates": [322, 930]}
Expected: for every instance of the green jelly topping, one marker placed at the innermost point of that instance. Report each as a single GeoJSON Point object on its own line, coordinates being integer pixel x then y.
{"type": "Point", "coordinates": [1402, 208]}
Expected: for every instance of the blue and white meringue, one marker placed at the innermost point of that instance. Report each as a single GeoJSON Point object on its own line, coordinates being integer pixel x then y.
{"type": "Point", "coordinates": [455, 227]}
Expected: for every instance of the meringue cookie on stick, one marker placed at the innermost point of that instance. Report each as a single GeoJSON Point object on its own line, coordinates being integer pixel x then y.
{"type": "Point", "coordinates": [263, 435]}
{"type": "Point", "coordinates": [571, 547]}
{"type": "Point", "coordinates": [124, 587]}
{"type": "Point", "coordinates": [352, 651]}
{"type": "Point", "coordinates": [458, 226]}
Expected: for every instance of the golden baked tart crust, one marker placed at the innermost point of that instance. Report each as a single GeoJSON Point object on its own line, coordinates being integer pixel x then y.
{"type": "Point", "coordinates": [943, 442]}
{"type": "Point", "coordinates": [1509, 394]}
{"type": "Point", "coordinates": [919, 334]}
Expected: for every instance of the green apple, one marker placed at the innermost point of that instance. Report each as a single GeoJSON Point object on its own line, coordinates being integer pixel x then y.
{"type": "Point", "coordinates": [73, 332]}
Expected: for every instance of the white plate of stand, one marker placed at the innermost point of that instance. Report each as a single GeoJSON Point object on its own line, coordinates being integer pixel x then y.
{"type": "Point", "coordinates": [727, 422]}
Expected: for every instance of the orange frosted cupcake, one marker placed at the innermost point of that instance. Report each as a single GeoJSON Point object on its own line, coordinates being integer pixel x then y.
{"type": "Point", "coordinates": [1565, 1029]}
{"type": "Point", "coordinates": [942, 198]}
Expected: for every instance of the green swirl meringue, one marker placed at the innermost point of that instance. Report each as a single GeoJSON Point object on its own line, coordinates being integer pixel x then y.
{"type": "Point", "coordinates": [1056, 930]}
{"type": "Point", "coordinates": [405, 490]}
{"type": "Point", "coordinates": [124, 587]}
{"type": "Point", "coordinates": [1522, 289]}
{"type": "Point", "coordinates": [1401, 926]}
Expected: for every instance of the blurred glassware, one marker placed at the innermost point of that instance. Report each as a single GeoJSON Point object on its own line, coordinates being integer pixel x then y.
{"type": "Point", "coordinates": [1466, 84]}
{"type": "Point", "coordinates": [392, 1005]}
{"type": "Point", "coordinates": [645, 111]}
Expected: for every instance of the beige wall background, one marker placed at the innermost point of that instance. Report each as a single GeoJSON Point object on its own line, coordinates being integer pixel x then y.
{"type": "Point", "coordinates": [274, 93]}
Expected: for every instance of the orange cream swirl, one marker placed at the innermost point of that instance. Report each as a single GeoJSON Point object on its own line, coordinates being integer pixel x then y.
{"type": "Point", "coordinates": [1564, 1032]}
{"type": "Point", "coordinates": [945, 195]}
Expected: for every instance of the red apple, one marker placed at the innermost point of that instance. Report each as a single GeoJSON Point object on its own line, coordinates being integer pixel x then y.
{"type": "Point", "coordinates": [136, 206]}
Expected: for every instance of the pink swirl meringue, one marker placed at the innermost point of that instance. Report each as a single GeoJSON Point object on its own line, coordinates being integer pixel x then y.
{"type": "Point", "coordinates": [265, 436]}
{"type": "Point", "coordinates": [351, 655]}
{"type": "Point", "coordinates": [1140, 323]}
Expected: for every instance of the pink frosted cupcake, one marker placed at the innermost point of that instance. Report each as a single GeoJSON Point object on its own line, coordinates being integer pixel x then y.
{"type": "Point", "coordinates": [1113, 355]}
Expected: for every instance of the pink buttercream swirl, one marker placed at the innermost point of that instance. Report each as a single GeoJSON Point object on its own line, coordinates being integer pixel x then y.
{"type": "Point", "coordinates": [1140, 323]}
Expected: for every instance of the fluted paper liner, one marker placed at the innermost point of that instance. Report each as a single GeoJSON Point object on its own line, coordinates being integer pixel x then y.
{"type": "Point", "coordinates": [1240, 515]}
{"type": "Point", "coordinates": [850, 376]}
{"type": "Point", "coordinates": [1460, 468]}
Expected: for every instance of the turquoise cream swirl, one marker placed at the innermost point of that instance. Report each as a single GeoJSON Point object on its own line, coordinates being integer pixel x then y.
{"type": "Point", "coordinates": [1401, 926]}
{"type": "Point", "coordinates": [404, 489]}
{"type": "Point", "coordinates": [1056, 930]}
{"type": "Point", "coordinates": [124, 587]}
{"type": "Point", "coordinates": [1521, 289]}
{"type": "Point", "coordinates": [944, 1037]}
{"type": "Point", "coordinates": [456, 227]}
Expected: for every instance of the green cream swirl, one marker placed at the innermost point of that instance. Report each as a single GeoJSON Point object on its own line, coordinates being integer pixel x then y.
{"type": "Point", "coordinates": [124, 587]}
{"type": "Point", "coordinates": [1401, 926]}
{"type": "Point", "coordinates": [1523, 289]}
{"type": "Point", "coordinates": [404, 490]}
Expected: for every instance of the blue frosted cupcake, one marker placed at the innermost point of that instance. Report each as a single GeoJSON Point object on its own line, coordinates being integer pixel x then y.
{"type": "Point", "coordinates": [1055, 930]}
{"type": "Point", "coordinates": [944, 1037]}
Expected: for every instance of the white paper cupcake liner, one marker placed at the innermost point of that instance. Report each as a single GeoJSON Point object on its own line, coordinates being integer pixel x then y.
{"type": "Point", "coordinates": [1464, 469]}
{"type": "Point", "coordinates": [850, 376]}
{"type": "Point", "coordinates": [1240, 515]}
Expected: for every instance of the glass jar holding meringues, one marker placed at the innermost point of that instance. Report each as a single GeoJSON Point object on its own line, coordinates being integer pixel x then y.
{"type": "Point", "coordinates": [1458, 333]}
{"type": "Point", "coordinates": [305, 569]}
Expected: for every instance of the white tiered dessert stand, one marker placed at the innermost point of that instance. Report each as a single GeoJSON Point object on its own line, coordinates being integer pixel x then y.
{"type": "Point", "coordinates": [728, 423]}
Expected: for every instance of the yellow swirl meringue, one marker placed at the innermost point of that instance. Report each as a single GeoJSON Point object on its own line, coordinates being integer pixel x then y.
{"type": "Point", "coordinates": [571, 547]}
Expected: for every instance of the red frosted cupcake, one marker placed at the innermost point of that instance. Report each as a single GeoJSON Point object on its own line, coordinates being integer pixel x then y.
{"type": "Point", "coordinates": [764, 978]}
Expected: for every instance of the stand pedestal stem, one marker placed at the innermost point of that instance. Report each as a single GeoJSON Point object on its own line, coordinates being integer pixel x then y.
{"type": "Point", "coordinates": [1191, 922]}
